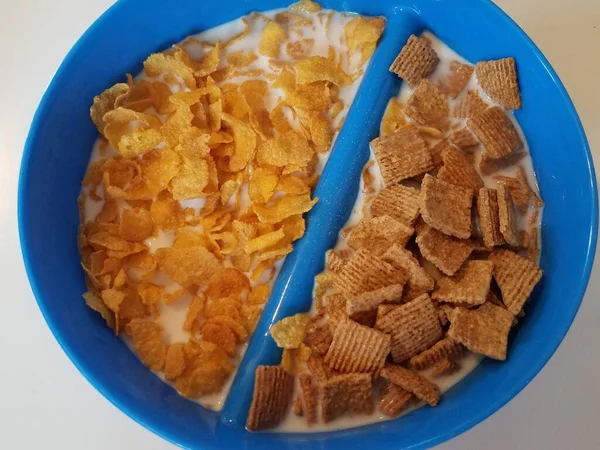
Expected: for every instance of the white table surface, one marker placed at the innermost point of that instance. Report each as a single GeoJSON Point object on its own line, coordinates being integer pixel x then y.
{"type": "Point", "coordinates": [45, 402]}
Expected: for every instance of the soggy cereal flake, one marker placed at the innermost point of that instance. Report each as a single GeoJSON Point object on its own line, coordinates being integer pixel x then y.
{"type": "Point", "coordinates": [306, 6]}
{"type": "Point", "coordinates": [469, 106]}
{"type": "Point", "coordinates": [399, 202]}
{"type": "Point", "coordinates": [456, 79]}
{"type": "Point", "coordinates": [444, 349]}
{"type": "Point", "coordinates": [446, 207]}
{"type": "Point", "coordinates": [135, 225]}
{"type": "Point", "coordinates": [496, 132]}
{"type": "Point", "coordinates": [271, 38]}
{"type": "Point", "coordinates": [147, 342]}
{"type": "Point", "coordinates": [402, 259]}
{"type": "Point", "coordinates": [470, 285]}
{"type": "Point", "coordinates": [190, 181]}
{"type": "Point", "coordinates": [362, 34]}
{"type": "Point", "coordinates": [110, 99]}
{"type": "Point", "coordinates": [412, 382]}
{"type": "Point", "coordinates": [174, 361]}
{"type": "Point", "coordinates": [483, 330]}
{"type": "Point", "coordinates": [94, 302]}
{"type": "Point", "coordinates": [194, 311]}
{"type": "Point", "coordinates": [186, 266]}
{"type": "Point", "coordinates": [289, 148]}
{"type": "Point", "coordinates": [393, 118]}
{"type": "Point", "coordinates": [427, 105]}
{"type": "Point", "coordinates": [273, 391]}
{"type": "Point", "coordinates": [363, 308]}
{"type": "Point", "coordinates": [507, 216]}
{"type": "Point", "coordinates": [318, 125]}
{"type": "Point", "coordinates": [244, 138]}
{"type": "Point", "coordinates": [446, 252]}
{"type": "Point", "coordinates": [159, 63]}
{"type": "Point", "coordinates": [294, 359]}
{"type": "Point", "coordinates": [289, 332]}
{"type": "Point", "coordinates": [393, 400]}
{"type": "Point", "coordinates": [498, 79]}
{"type": "Point", "coordinates": [349, 393]}
{"type": "Point", "coordinates": [378, 234]}
{"type": "Point", "coordinates": [226, 283]}
{"type": "Point", "coordinates": [462, 138]}
{"type": "Point", "coordinates": [286, 206]}
{"type": "Point", "coordinates": [516, 277]}
{"type": "Point", "coordinates": [221, 336]}
{"type": "Point", "coordinates": [416, 60]}
{"type": "Point", "coordinates": [236, 326]}
{"type": "Point", "coordinates": [401, 155]}
{"type": "Point", "coordinates": [158, 169]}
{"type": "Point", "coordinates": [315, 96]}
{"type": "Point", "coordinates": [318, 68]}
{"type": "Point", "coordinates": [458, 170]}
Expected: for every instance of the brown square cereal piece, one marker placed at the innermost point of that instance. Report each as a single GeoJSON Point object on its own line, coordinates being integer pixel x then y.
{"type": "Point", "coordinates": [446, 207]}
{"type": "Point", "coordinates": [382, 311]}
{"type": "Point", "coordinates": [447, 253]}
{"type": "Point", "coordinates": [319, 369]}
{"type": "Point", "coordinates": [507, 216]}
{"type": "Point", "coordinates": [469, 285]}
{"type": "Point", "coordinates": [335, 304]}
{"type": "Point", "coordinates": [310, 395]}
{"type": "Point", "coordinates": [273, 391]}
{"type": "Point", "coordinates": [378, 233]}
{"type": "Point", "coordinates": [393, 400]}
{"type": "Point", "coordinates": [456, 79]}
{"type": "Point", "coordinates": [483, 330]}
{"type": "Point", "coordinates": [363, 307]}
{"type": "Point", "coordinates": [516, 277]}
{"type": "Point", "coordinates": [427, 105]}
{"type": "Point", "coordinates": [350, 393]}
{"type": "Point", "coordinates": [411, 381]}
{"type": "Point", "coordinates": [458, 170]}
{"type": "Point", "coordinates": [520, 190]}
{"type": "Point", "coordinates": [366, 272]}
{"type": "Point", "coordinates": [463, 138]}
{"type": "Point", "coordinates": [413, 326]}
{"type": "Point", "coordinates": [397, 201]}
{"type": "Point", "coordinates": [356, 348]}
{"type": "Point", "coordinates": [496, 132]}
{"type": "Point", "coordinates": [319, 339]}
{"type": "Point", "coordinates": [401, 155]}
{"type": "Point", "coordinates": [446, 348]}
{"type": "Point", "coordinates": [470, 105]}
{"type": "Point", "coordinates": [437, 150]}
{"type": "Point", "coordinates": [490, 166]}
{"type": "Point", "coordinates": [489, 219]}
{"type": "Point", "coordinates": [498, 79]}
{"type": "Point", "coordinates": [444, 367]}
{"type": "Point", "coordinates": [403, 259]}
{"type": "Point", "coordinates": [416, 60]}
{"type": "Point", "coordinates": [335, 263]}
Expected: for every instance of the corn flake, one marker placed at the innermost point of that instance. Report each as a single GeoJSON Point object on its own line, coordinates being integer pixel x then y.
{"type": "Point", "coordinates": [289, 332]}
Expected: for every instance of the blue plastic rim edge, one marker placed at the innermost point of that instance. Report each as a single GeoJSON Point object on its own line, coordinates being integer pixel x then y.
{"type": "Point", "coordinates": [49, 182]}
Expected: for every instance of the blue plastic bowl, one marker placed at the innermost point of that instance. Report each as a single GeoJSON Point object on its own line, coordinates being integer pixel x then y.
{"type": "Point", "coordinates": [56, 156]}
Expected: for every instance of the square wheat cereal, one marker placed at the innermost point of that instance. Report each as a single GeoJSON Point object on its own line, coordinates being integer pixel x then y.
{"type": "Point", "coordinates": [363, 307]}
{"type": "Point", "coordinates": [335, 305]}
{"type": "Point", "coordinates": [496, 132]}
{"type": "Point", "coordinates": [393, 399]}
{"type": "Point", "coordinates": [520, 190]}
{"type": "Point", "coordinates": [427, 105]}
{"type": "Point", "coordinates": [437, 150]}
{"type": "Point", "coordinates": [416, 60]}
{"type": "Point", "coordinates": [483, 330]}
{"type": "Point", "coordinates": [319, 339]}
{"type": "Point", "coordinates": [378, 233]}
{"type": "Point", "coordinates": [469, 285]}
{"type": "Point", "coordinates": [310, 396]}
{"type": "Point", "coordinates": [397, 201]}
{"type": "Point", "coordinates": [456, 79]}
{"type": "Point", "coordinates": [498, 79]}
{"type": "Point", "coordinates": [507, 216]}
{"type": "Point", "coordinates": [402, 259]}
{"type": "Point", "coordinates": [413, 327]}
{"type": "Point", "coordinates": [401, 155]}
{"type": "Point", "coordinates": [357, 349]}
{"type": "Point", "coordinates": [366, 272]}
{"type": "Point", "coordinates": [319, 370]}
{"type": "Point", "coordinates": [414, 383]}
{"type": "Point", "coordinates": [350, 393]}
{"type": "Point", "coordinates": [491, 166]}
{"type": "Point", "coordinates": [446, 348]}
{"type": "Point", "coordinates": [273, 391]}
{"type": "Point", "coordinates": [458, 170]}
{"type": "Point", "coordinates": [444, 367]}
{"type": "Point", "coordinates": [489, 218]}
{"type": "Point", "coordinates": [470, 105]}
{"type": "Point", "coordinates": [446, 207]}
{"type": "Point", "coordinates": [447, 253]}
{"type": "Point", "coordinates": [516, 277]}
{"type": "Point", "coordinates": [463, 138]}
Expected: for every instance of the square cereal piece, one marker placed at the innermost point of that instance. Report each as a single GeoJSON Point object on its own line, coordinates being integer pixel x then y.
{"type": "Point", "coordinates": [496, 132]}
{"type": "Point", "coordinates": [491, 166]}
{"type": "Point", "coordinates": [469, 105]}
{"type": "Point", "coordinates": [520, 190]}
{"type": "Point", "coordinates": [414, 383]}
{"type": "Point", "coordinates": [402, 259]}
{"type": "Point", "coordinates": [335, 262]}
{"type": "Point", "coordinates": [363, 307]}
{"type": "Point", "coordinates": [463, 138]}
{"type": "Point", "coordinates": [456, 79]}
{"type": "Point", "coordinates": [319, 369]}
{"type": "Point", "coordinates": [397, 201]}
{"type": "Point", "coordinates": [458, 170]}
{"type": "Point", "coordinates": [507, 216]}
{"type": "Point", "coordinates": [427, 105]}
{"type": "Point", "coordinates": [447, 253]}
{"type": "Point", "coordinates": [446, 348]}
{"type": "Point", "coordinates": [498, 79]}
{"type": "Point", "coordinates": [401, 155]}
{"type": "Point", "coordinates": [310, 397]}
{"type": "Point", "coordinates": [516, 277]}
{"type": "Point", "coordinates": [393, 399]}
{"type": "Point", "coordinates": [319, 339]}
{"type": "Point", "coordinates": [446, 207]}
{"type": "Point", "coordinates": [489, 218]}
{"type": "Point", "coordinates": [378, 233]}
{"type": "Point", "coordinates": [413, 327]}
{"type": "Point", "coordinates": [444, 367]}
{"type": "Point", "coordinates": [483, 330]}
{"type": "Point", "coordinates": [366, 272]}
{"type": "Point", "coordinates": [416, 60]}
{"type": "Point", "coordinates": [273, 391]}
{"type": "Point", "coordinates": [351, 393]}
{"type": "Point", "coordinates": [335, 305]}
{"type": "Point", "coordinates": [469, 285]}
{"type": "Point", "coordinates": [357, 349]}
{"type": "Point", "coordinates": [437, 150]}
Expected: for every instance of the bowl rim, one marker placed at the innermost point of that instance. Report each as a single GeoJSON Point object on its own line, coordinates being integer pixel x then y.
{"type": "Point", "coordinates": [156, 427]}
